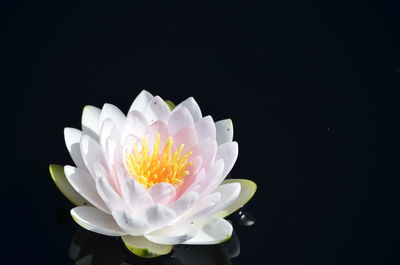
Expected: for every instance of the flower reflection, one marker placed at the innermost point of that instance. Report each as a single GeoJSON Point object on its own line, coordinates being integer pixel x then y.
{"type": "Point", "coordinates": [88, 248]}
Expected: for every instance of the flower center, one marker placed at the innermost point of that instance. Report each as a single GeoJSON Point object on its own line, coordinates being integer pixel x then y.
{"type": "Point", "coordinates": [155, 167]}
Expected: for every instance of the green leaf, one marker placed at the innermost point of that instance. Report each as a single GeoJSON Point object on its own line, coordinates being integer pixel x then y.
{"type": "Point", "coordinates": [142, 247]}
{"type": "Point", "coordinates": [248, 188]}
{"type": "Point", "coordinates": [58, 176]}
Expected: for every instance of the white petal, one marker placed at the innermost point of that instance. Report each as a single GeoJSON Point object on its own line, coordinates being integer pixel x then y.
{"type": "Point", "coordinates": [108, 130]}
{"type": "Point", "coordinates": [216, 231]}
{"type": "Point", "coordinates": [108, 194]}
{"type": "Point", "coordinates": [180, 118]}
{"type": "Point", "coordinates": [205, 128]}
{"type": "Point", "coordinates": [133, 192]}
{"type": "Point", "coordinates": [110, 111]}
{"type": "Point", "coordinates": [159, 215]}
{"type": "Point", "coordinates": [229, 193]}
{"type": "Point", "coordinates": [247, 190]}
{"type": "Point", "coordinates": [91, 151]}
{"type": "Point", "coordinates": [91, 121]}
{"type": "Point", "coordinates": [207, 149]}
{"type": "Point", "coordinates": [102, 171]}
{"type": "Point", "coordinates": [214, 176]}
{"type": "Point", "coordinates": [228, 152]}
{"type": "Point", "coordinates": [192, 107]}
{"type": "Point", "coordinates": [135, 124]}
{"type": "Point", "coordinates": [95, 220]}
{"type": "Point", "coordinates": [135, 226]}
{"type": "Point", "coordinates": [162, 192]}
{"type": "Point", "coordinates": [113, 151]}
{"type": "Point", "coordinates": [59, 178]}
{"type": "Point", "coordinates": [157, 109]}
{"type": "Point", "coordinates": [200, 208]}
{"type": "Point", "coordinates": [184, 202]}
{"type": "Point", "coordinates": [141, 101]}
{"type": "Point", "coordinates": [197, 182]}
{"type": "Point", "coordinates": [193, 175]}
{"type": "Point", "coordinates": [224, 131]}
{"type": "Point", "coordinates": [197, 162]}
{"type": "Point", "coordinates": [173, 234]}
{"type": "Point", "coordinates": [72, 140]}
{"type": "Point", "coordinates": [85, 185]}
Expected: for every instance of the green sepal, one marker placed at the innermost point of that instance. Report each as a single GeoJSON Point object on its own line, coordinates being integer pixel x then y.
{"type": "Point", "coordinates": [144, 248]}
{"type": "Point", "coordinates": [59, 178]}
{"type": "Point", "coordinates": [170, 104]}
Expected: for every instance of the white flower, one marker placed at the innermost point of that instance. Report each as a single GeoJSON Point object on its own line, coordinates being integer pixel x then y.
{"type": "Point", "coordinates": [155, 176]}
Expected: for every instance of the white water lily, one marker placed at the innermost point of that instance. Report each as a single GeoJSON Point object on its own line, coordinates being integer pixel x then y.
{"type": "Point", "coordinates": [155, 176]}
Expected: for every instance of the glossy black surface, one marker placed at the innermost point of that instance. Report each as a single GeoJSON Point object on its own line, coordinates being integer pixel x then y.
{"type": "Point", "coordinates": [311, 89]}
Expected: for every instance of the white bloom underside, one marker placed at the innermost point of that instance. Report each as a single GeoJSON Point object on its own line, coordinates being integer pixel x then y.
{"type": "Point", "coordinates": [180, 212]}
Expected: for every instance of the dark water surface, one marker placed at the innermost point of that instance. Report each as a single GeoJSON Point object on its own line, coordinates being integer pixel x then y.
{"type": "Point", "coordinates": [310, 87]}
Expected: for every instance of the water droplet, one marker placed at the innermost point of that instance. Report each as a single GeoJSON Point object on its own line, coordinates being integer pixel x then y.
{"type": "Point", "coordinates": [246, 219]}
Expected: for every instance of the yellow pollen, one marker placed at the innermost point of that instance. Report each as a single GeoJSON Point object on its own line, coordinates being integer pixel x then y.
{"type": "Point", "coordinates": [150, 169]}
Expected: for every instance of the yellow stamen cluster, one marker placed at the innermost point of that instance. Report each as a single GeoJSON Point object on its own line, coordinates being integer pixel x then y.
{"type": "Point", "coordinates": [150, 169]}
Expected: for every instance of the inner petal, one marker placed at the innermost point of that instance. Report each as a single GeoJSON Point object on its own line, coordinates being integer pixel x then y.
{"type": "Point", "coordinates": [150, 164]}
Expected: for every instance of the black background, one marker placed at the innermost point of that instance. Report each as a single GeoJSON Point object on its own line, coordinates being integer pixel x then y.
{"type": "Point", "coordinates": [310, 87]}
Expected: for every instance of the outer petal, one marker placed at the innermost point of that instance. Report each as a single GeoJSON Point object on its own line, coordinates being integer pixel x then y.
{"type": "Point", "coordinates": [72, 140]}
{"type": "Point", "coordinates": [228, 152]}
{"type": "Point", "coordinates": [211, 203]}
{"type": "Point", "coordinates": [173, 234]}
{"type": "Point", "coordinates": [229, 193]}
{"type": "Point", "coordinates": [216, 231]}
{"type": "Point", "coordinates": [95, 220]}
{"type": "Point", "coordinates": [110, 111]}
{"type": "Point", "coordinates": [180, 118]}
{"type": "Point", "coordinates": [84, 184]}
{"type": "Point", "coordinates": [224, 131]}
{"type": "Point", "coordinates": [192, 106]}
{"type": "Point", "coordinates": [157, 109]}
{"type": "Point", "coordinates": [133, 225]}
{"type": "Point", "coordinates": [200, 208]}
{"type": "Point", "coordinates": [141, 101]}
{"type": "Point", "coordinates": [205, 128]}
{"type": "Point", "coordinates": [248, 188]}
{"type": "Point", "coordinates": [91, 121]}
